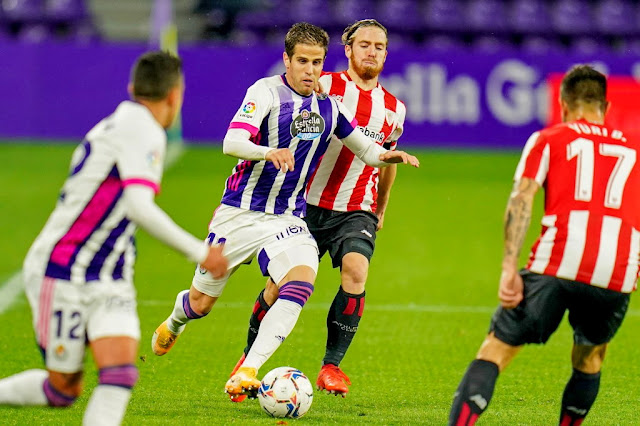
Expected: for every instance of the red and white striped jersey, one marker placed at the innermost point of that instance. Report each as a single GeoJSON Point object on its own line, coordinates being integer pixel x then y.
{"type": "Point", "coordinates": [342, 181]}
{"type": "Point", "coordinates": [590, 229]}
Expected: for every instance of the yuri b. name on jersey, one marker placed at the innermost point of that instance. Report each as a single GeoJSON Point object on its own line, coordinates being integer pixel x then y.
{"type": "Point", "coordinates": [291, 231]}
{"type": "Point", "coordinates": [589, 129]}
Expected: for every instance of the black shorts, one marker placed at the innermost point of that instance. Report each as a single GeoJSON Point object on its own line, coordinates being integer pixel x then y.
{"type": "Point", "coordinates": [594, 313]}
{"type": "Point", "coordinates": [340, 233]}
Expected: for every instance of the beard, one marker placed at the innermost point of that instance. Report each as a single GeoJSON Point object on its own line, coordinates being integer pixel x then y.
{"type": "Point", "coordinates": [366, 72]}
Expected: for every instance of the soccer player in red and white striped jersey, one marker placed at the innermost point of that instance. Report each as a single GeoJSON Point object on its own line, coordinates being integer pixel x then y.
{"type": "Point", "coordinates": [343, 182]}
{"type": "Point", "coordinates": [585, 260]}
{"type": "Point", "coordinates": [346, 199]}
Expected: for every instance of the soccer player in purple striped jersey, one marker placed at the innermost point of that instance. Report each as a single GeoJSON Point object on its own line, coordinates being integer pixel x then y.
{"type": "Point", "coordinates": [279, 133]}
{"type": "Point", "coordinates": [78, 274]}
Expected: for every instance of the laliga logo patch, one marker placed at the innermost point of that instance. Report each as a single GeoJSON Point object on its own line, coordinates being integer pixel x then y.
{"type": "Point", "coordinates": [248, 110]}
{"type": "Point", "coordinates": [153, 158]}
{"type": "Point", "coordinates": [308, 125]}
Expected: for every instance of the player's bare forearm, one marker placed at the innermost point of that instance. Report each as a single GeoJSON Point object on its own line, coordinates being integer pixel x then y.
{"type": "Point", "coordinates": [517, 219]}
{"type": "Point", "coordinates": [385, 182]}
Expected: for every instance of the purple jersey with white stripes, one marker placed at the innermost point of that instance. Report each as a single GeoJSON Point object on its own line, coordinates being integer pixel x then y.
{"type": "Point", "coordinates": [89, 237]}
{"type": "Point", "coordinates": [278, 117]}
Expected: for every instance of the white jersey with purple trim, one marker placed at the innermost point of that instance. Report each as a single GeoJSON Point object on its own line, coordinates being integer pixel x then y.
{"type": "Point", "coordinates": [278, 117]}
{"type": "Point", "coordinates": [88, 237]}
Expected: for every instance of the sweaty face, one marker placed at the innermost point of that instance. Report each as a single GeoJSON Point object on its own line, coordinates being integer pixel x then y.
{"type": "Point", "coordinates": [367, 52]}
{"type": "Point", "coordinates": [304, 67]}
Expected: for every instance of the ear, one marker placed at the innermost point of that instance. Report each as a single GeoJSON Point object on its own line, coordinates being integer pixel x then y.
{"type": "Point", "coordinates": [386, 52]}
{"type": "Point", "coordinates": [130, 90]}
{"type": "Point", "coordinates": [564, 109]}
{"type": "Point", "coordinates": [607, 107]}
{"type": "Point", "coordinates": [347, 51]}
{"type": "Point", "coordinates": [173, 97]}
{"type": "Point", "coordinates": [286, 60]}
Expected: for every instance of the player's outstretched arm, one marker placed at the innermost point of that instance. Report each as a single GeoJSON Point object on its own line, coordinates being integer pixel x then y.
{"type": "Point", "coordinates": [516, 223]}
{"type": "Point", "coordinates": [373, 154]}
{"type": "Point", "coordinates": [392, 157]}
{"type": "Point", "coordinates": [144, 212]}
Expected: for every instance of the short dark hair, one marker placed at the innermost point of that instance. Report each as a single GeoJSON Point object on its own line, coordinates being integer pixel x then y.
{"type": "Point", "coordinates": [349, 33]}
{"type": "Point", "coordinates": [305, 33]}
{"type": "Point", "coordinates": [155, 74]}
{"type": "Point", "coordinates": [583, 83]}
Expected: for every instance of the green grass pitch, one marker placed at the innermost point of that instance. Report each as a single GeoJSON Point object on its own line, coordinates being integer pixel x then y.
{"type": "Point", "coordinates": [430, 294]}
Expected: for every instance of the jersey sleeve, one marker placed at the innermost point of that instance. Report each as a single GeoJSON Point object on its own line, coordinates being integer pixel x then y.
{"type": "Point", "coordinates": [534, 162]}
{"type": "Point", "coordinates": [346, 122]}
{"type": "Point", "coordinates": [401, 113]}
{"type": "Point", "coordinates": [141, 159]}
{"type": "Point", "coordinates": [255, 107]}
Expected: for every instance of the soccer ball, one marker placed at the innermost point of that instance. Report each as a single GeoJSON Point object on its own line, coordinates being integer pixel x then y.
{"type": "Point", "coordinates": [285, 392]}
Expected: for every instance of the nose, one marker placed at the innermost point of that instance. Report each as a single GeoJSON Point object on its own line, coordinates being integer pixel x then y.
{"type": "Point", "coordinates": [308, 69]}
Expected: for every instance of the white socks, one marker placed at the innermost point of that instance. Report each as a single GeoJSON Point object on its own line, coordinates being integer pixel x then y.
{"type": "Point", "coordinates": [178, 318]}
{"type": "Point", "coordinates": [274, 328]}
{"type": "Point", "coordinates": [106, 406]}
{"type": "Point", "coordinates": [24, 388]}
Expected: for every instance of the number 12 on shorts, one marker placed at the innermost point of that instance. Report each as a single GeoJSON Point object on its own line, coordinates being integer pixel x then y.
{"type": "Point", "coordinates": [68, 326]}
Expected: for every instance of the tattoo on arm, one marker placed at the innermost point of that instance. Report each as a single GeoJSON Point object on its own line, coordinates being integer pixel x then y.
{"type": "Point", "coordinates": [518, 216]}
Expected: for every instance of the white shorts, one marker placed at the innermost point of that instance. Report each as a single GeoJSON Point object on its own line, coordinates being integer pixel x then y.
{"type": "Point", "coordinates": [280, 242]}
{"type": "Point", "coordinates": [67, 316]}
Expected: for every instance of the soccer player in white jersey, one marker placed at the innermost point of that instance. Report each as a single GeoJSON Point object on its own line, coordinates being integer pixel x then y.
{"type": "Point", "coordinates": [586, 259]}
{"type": "Point", "coordinates": [279, 133]}
{"type": "Point", "coordinates": [78, 273]}
{"type": "Point", "coordinates": [347, 199]}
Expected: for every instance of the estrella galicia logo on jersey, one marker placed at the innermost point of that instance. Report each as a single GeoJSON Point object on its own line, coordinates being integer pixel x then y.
{"type": "Point", "coordinates": [307, 125]}
{"type": "Point", "coordinates": [248, 110]}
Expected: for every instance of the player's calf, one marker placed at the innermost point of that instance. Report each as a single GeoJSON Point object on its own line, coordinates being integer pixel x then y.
{"type": "Point", "coordinates": [579, 395]}
{"type": "Point", "coordinates": [167, 333]}
{"type": "Point", "coordinates": [110, 398]}
{"type": "Point", "coordinates": [474, 393]}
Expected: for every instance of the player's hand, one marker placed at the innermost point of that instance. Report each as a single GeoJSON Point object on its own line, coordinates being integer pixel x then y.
{"type": "Point", "coordinates": [399, 157]}
{"type": "Point", "coordinates": [281, 158]}
{"type": "Point", "coordinates": [318, 88]}
{"type": "Point", "coordinates": [511, 291]}
{"type": "Point", "coordinates": [380, 215]}
{"type": "Point", "coordinates": [215, 262]}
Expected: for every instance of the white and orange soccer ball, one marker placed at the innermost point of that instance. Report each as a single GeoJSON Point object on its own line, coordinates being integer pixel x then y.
{"type": "Point", "coordinates": [285, 392]}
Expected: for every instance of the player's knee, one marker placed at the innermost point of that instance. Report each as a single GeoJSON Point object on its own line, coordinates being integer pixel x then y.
{"type": "Point", "coordinates": [296, 291]}
{"type": "Point", "coordinates": [124, 376]}
{"type": "Point", "coordinates": [355, 269]}
{"type": "Point", "coordinates": [588, 359]}
{"type": "Point", "coordinates": [61, 396]}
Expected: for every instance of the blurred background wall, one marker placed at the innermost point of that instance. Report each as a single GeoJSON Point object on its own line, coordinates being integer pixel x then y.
{"type": "Point", "coordinates": [472, 73]}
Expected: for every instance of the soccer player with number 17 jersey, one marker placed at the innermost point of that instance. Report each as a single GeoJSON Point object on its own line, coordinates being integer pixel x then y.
{"type": "Point", "coordinates": [585, 260]}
